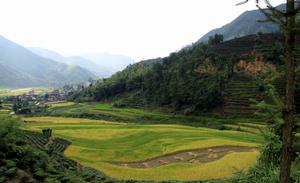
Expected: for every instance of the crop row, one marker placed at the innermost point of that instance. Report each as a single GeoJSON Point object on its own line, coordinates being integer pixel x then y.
{"type": "Point", "coordinates": [57, 145]}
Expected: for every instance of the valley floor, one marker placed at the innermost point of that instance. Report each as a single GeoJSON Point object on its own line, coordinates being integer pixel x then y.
{"type": "Point", "coordinates": [179, 152]}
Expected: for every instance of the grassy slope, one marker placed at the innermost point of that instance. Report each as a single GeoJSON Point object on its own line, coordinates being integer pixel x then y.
{"type": "Point", "coordinates": [94, 142]}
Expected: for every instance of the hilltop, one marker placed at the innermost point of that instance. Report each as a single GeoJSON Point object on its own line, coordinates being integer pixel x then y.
{"type": "Point", "coordinates": [245, 24]}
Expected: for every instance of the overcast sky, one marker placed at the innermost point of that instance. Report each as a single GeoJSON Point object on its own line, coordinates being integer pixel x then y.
{"type": "Point", "coordinates": [140, 29]}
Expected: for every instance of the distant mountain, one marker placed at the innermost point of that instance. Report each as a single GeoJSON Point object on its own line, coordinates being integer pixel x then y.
{"type": "Point", "coordinates": [101, 64]}
{"type": "Point", "coordinates": [111, 61]}
{"type": "Point", "coordinates": [73, 60]}
{"type": "Point", "coordinates": [19, 67]}
{"type": "Point", "coordinates": [99, 71]}
{"type": "Point", "coordinates": [246, 24]}
{"type": "Point", "coordinates": [48, 54]}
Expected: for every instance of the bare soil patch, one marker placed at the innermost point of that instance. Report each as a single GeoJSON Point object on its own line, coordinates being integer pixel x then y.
{"type": "Point", "coordinates": [203, 155]}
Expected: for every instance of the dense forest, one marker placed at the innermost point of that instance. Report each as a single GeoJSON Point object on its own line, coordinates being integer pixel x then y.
{"type": "Point", "coordinates": [192, 79]}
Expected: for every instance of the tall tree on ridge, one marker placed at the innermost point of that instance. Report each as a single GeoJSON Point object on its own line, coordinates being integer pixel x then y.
{"type": "Point", "coordinates": [287, 21]}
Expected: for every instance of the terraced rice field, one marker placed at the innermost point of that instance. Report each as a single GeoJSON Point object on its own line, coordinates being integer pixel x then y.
{"type": "Point", "coordinates": [55, 145]}
{"type": "Point", "coordinates": [4, 111]}
{"type": "Point", "coordinates": [114, 147]}
{"type": "Point", "coordinates": [106, 111]}
{"type": "Point", "coordinates": [238, 92]}
{"type": "Point", "coordinates": [247, 127]}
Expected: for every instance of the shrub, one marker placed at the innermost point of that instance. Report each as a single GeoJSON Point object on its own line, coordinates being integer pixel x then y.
{"type": "Point", "coordinates": [119, 104]}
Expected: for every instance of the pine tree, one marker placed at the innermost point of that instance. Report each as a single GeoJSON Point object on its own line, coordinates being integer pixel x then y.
{"type": "Point", "coordinates": [287, 21]}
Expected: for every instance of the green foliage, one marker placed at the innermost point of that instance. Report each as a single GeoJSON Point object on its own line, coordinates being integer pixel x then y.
{"type": "Point", "coordinates": [270, 109]}
{"type": "Point", "coordinates": [296, 169]}
{"type": "Point", "coordinates": [267, 168]}
{"type": "Point", "coordinates": [127, 80]}
{"type": "Point", "coordinates": [27, 107]}
{"type": "Point", "coordinates": [34, 165]}
{"type": "Point", "coordinates": [119, 104]}
{"type": "Point", "coordinates": [189, 80]}
{"type": "Point", "coordinates": [112, 142]}
{"type": "Point", "coordinates": [216, 39]}
{"type": "Point", "coordinates": [275, 54]}
{"type": "Point", "coordinates": [261, 173]}
{"type": "Point", "coordinates": [106, 111]}
{"type": "Point", "coordinates": [179, 83]}
{"type": "Point", "coordinates": [21, 107]}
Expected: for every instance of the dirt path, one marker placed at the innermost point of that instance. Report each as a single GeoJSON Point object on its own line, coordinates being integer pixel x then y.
{"type": "Point", "coordinates": [203, 155]}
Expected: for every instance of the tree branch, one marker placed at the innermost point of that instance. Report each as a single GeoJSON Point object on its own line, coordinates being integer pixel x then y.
{"type": "Point", "coordinates": [273, 15]}
{"type": "Point", "coordinates": [246, 1]}
{"type": "Point", "coordinates": [243, 2]}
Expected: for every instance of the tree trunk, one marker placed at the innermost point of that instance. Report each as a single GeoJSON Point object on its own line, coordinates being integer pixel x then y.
{"type": "Point", "coordinates": [288, 111]}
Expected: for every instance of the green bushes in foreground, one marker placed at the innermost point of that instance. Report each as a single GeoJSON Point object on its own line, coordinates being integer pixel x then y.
{"type": "Point", "coordinates": [21, 162]}
{"type": "Point", "coordinates": [267, 168]}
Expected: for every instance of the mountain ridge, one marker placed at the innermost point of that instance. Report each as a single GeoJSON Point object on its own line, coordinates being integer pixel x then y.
{"type": "Point", "coordinates": [101, 64]}
{"type": "Point", "coordinates": [22, 68]}
{"type": "Point", "coordinates": [73, 60]}
{"type": "Point", "coordinates": [107, 60]}
{"type": "Point", "coordinates": [245, 24]}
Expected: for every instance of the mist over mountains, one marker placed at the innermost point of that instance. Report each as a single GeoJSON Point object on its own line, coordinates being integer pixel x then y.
{"type": "Point", "coordinates": [35, 67]}
{"type": "Point", "coordinates": [101, 64]}
{"type": "Point", "coordinates": [22, 68]}
{"type": "Point", "coordinates": [29, 67]}
{"type": "Point", "coordinates": [113, 62]}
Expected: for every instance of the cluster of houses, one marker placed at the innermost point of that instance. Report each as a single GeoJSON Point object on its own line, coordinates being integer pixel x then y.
{"type": "Point", "coordinates": [38, 102]}
{"type": "Point", "coordinates": [55, 96]}
{"type": "Point", "coordinates": [32, 102]}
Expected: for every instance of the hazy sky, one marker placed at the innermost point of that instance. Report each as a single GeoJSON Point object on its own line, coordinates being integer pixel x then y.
{"type": "Point", "coordinates": [140, 29]}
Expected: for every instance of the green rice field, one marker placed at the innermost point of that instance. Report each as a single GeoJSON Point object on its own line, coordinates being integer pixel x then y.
{"type": "Point", "coordinates": [98, 143]}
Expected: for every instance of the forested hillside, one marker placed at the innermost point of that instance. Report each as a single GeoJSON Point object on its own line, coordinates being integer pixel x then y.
{"type": "Point", "coordinates": [192, 79]}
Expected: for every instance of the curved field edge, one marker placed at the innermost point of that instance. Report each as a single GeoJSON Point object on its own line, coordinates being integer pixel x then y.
{"type": "Point", "coordinates": [220, 169]}
{"type": "Point", "coordinates": [76, 152]}
{"type": "Point", "coordinates": [95, 143]}
{"type": "Point", "coordinates": [202, 155]}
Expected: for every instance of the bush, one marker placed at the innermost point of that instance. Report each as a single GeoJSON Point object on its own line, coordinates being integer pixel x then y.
{"type": "Point", "coordinates": [261, 173]}
{"type": "Point", "coordinates": [16, 155]}
{"type": "Point", "coordinates": [119, 104]}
